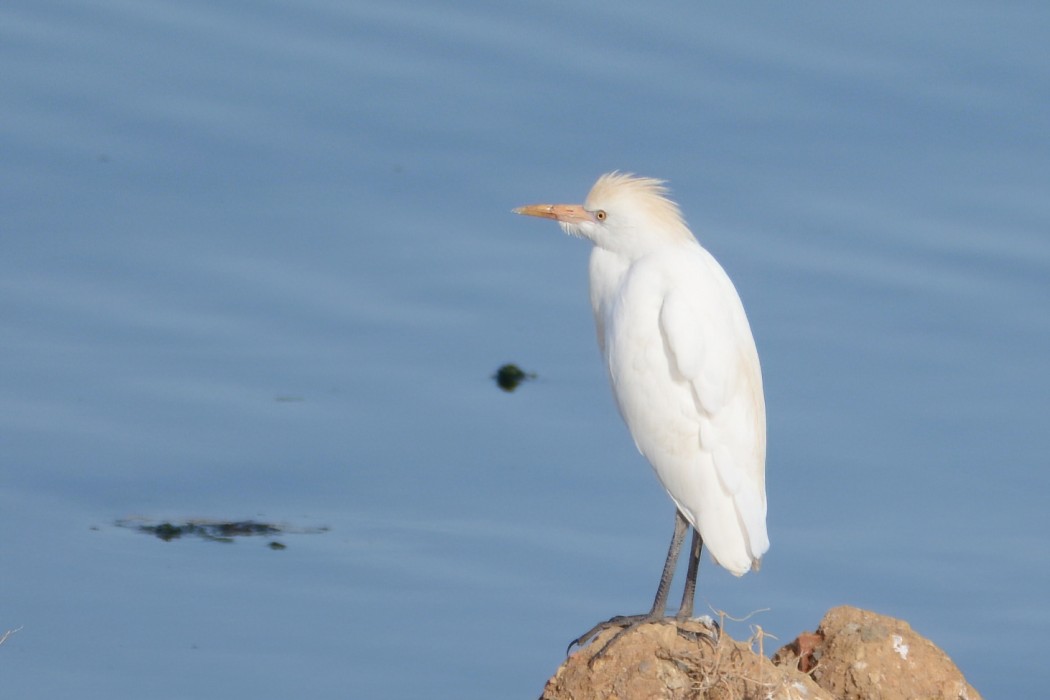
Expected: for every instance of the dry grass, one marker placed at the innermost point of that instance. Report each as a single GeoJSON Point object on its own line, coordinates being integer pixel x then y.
{"type": "Point", "coordinates": [732, 670]}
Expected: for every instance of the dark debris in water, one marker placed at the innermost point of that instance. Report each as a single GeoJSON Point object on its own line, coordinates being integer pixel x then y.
{"type": "Point", "coordinates": [216, 530]}
{"type": "Point", "coordinates": [509, 376]}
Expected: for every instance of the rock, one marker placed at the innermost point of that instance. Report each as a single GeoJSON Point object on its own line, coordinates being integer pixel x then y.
{"type": "Point", "coordinates": [860, 654]}
{"type": "Point", "coordinates": [853, 654]}
{"type": "Point", "coordinates": [654, 661]}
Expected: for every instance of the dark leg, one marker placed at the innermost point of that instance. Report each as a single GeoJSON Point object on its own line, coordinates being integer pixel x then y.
{"type": "Point", "coordinates": [660, 602]}
{"type": "Point", "coordinates": [685, 611]}
{"type": "Point", "coordinates": [629, 622]}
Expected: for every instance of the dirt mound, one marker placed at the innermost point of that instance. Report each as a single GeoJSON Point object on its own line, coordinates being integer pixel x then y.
{"type": "Point", "coordinates": [853, 654]}
{"type": "Point", "coordinates": [660, 661]}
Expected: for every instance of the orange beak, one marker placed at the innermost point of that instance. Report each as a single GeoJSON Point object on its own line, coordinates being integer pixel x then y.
{"type": "Point", "coordinates": [565, 213]}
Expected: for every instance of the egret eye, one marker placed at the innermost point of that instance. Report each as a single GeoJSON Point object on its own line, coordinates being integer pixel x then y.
{"type": "Point", "coordinates": [600, 215]}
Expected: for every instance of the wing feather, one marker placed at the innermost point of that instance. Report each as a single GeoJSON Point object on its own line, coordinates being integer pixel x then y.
{"type": "Point", "coordinates": [710, 347]}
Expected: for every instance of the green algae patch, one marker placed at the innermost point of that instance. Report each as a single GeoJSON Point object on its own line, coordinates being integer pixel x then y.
{"type": "Point", "coordinates": [509, 376]}
{"type": "Point", "coordinates": [216, 530]}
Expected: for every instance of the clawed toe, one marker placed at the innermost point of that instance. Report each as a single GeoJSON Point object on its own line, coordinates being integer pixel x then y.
{"type": "Point", "coordinates": [624, 622]}
{"type": "Point", "coordinates": [710, 634]}
{"type": "Point", "coordinates": [627, 623]}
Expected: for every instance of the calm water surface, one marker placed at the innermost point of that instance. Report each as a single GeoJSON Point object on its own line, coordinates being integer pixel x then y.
{"type": "Point", "coordinates": [257, 261]}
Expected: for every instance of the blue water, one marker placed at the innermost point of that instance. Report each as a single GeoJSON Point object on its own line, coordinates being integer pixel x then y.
{"type": "Point", "coordinates": [257, 260]}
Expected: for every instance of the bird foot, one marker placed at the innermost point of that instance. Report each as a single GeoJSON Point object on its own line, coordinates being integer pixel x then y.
{"type": "Point", "coordinates": [627, 623]}
{"type": "Point", "coordinates": [624, 622]}
{"type": "Point", "coordinates": [697, 628]}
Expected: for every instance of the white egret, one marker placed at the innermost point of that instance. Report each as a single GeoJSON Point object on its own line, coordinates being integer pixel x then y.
{"type": "Point", "coordinates": [684, 370]}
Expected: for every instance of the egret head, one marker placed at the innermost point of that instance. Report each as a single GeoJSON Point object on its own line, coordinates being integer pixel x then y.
{"type": "Point", "coordinates": [623, 213]}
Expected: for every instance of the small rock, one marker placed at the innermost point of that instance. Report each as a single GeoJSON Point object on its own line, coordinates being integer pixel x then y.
{"type": "Point", "coordinates": [860, 654]}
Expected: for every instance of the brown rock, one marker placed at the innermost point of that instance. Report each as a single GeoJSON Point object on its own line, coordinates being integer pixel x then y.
{"type": "Point", "coordinates": [860, 654]}
{"type": "Point", "coordinates": [655, 661]}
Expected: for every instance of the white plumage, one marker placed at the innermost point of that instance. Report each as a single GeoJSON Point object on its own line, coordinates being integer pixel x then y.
{"type": "Point", "coordinates": [680, 357]}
